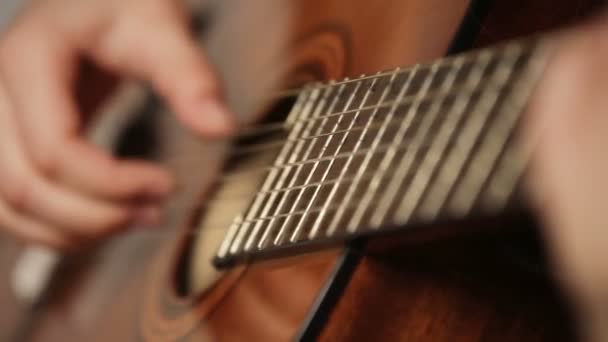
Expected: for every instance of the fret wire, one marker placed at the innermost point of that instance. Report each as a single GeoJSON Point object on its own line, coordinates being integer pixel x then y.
{"type": "Point", "coordinates": [270, 178]}
{"type": "Point", "coordinates": [415, 144]}
{"type": "Point", "coordinates": [331, 162]}
{"type": "Point", "coordinates": [256, 148]}
{"type": "Point", "coordinates": [470, 185]}
{"type": "Point", "coordinates": [361, 152]}
{"type": "Point", "coordinates": [442, 186]}
{"type": "Point", "coordinates": [384, 94]}
{"type": "Point", "coordinates": [324, 147]}
{"type": "Point", "coordinates": [293, 213]}
{"type": "Point", "coordinates": [278, 143]}
{"type": "Point", "coordinates": [515, 160]}
{"type": "Point", "coordinates": [355, 201]}
{"type": "Point", "coordinates": [230, 235]}
{"type": "Point", "coordinates": [405, 101]}
{"type": "Point", "coordinates": [403, 128]}
{"type": "Point", "coordinates": [479, 171]}
{"type": "Point", "coordinates": [429, 65]}
{"type": "Point", "coordinates": [353, 178]}
{"type": "Point", "coordinates": [510, 169]}
{"type": "Point", "coordinates": [296, 115]}
{"type": "Point", "coordinates": [252, 171]}
{"type": "Point", "coordinates": [337, 217]}
{"type": "Point", "coordinates": [301, 212]}
{"type": "Point", "coordinates": [283, 215]}
{"type": "Point", "coordinates": [284, 172]}
{"type": "Point", "coordinates": [256, 129]}
{"type": "Point", "coordinates": [365, 177]}
{"type": "Point", "coordinates": [301, 106]}
{"type": "Point", "coordinates": [268, 229]}
{"type": "Point", "coordinates": [250, 130]}
{"type": "Point", "coordinates": [423, 176]}
{"type": "Point", "coordinates": [492, 147]}
{"type": "Point", "coordinates": [405, 162]}
{"type": "Point", "coordinates": [381, 173]}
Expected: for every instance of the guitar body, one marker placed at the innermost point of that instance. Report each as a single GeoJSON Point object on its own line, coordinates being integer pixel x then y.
{"type": "Point", "coordinates": [146, 285]}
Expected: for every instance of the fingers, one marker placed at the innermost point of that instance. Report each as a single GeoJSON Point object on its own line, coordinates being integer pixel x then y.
{"type": "Point", "coordinates": [97, 173]}
{"type": "Point", "coordinates": [56, 188]}
{"type": "Point", "coordinates": [159, 49]}
{"type": "Point", "coordinates": [569, 123]}
{"type": "Point", "coordinates": [32, 231]}
{"type": "Point", "coordinates": [50, 124]}
{"type": "Point", "coordinates": [48, 212]}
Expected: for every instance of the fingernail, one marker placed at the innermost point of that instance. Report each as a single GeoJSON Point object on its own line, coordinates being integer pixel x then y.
{"type": "Point", "coordinates": [148, 216]}
{"type": "Point", "coordinates": [217, 117]}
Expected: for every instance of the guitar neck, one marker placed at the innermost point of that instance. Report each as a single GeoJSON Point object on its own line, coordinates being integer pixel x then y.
{"type": "Point", "coordinates": [409, 147]}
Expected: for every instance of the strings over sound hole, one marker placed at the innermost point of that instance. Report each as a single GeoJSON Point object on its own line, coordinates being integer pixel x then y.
{"type": "Point", "coordinates": [247, 164]}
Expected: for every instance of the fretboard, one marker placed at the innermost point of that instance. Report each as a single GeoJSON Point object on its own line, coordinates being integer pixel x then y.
{"type": "Point", "coordinates": [416, 146]}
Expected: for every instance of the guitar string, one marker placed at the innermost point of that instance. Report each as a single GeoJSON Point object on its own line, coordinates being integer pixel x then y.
{"type": "Point", "coordinates": [344, 181]}
{"type": "Point", "coordinates": [224, 225]}
{"type": "Point", "coordinates": [214, 226]}
{"type": "Point", "coordinates": [320, 184]}
{"type": "Point", "coordinates": [446, 61]}
{"type": "Point", "coordinates": [269, 145]}
{"type": "Point", "coordinates": [521, 43]}
{"type": "Point", "coordinates": [231, 175]}
{"type": "Point", "coordinates": [277, 144]}
{"type": "Point", "coordinates": [255, 129]}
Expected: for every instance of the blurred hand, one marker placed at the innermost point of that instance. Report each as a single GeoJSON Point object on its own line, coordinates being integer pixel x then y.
{"type": "Point", "coordinates": [55, 188]}
{"type": "Point", "coordinates": [569, 124]}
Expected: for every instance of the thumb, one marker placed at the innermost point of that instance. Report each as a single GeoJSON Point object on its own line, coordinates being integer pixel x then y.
{"type": "Point", "coordinates": [164, 53]}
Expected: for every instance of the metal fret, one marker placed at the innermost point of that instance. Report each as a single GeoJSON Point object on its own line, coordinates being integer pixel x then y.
{"type": "Point", "coordinates": [284, 172]}
{"type": "Point", "coordinates": [270, 228]}
{"type": "Point", "coordinates": [413, 152]}
{"type": "Point", "coordinates": [301, 107]}
{"type": "Point", "coordinates": [298, 226]}
{"type": "Point", "coordinates": [342, 167]}
{"type": "Point", "coordinates": [419, 67]}
{"type": "Point", "coordinates": [406, 100]}
{"type": "Point", "coordinates": [514, 161]}
{"type": "Point", "coordinates": [285, 225]}
{"type": "Point", "coordinates": [367, 158]}
{"type": "Point", "coordinates": [470, 185]}
{"type": "Point", "coordinates": [509, 171]}
{"type": "Point", "coordinates": [280, 144]}
{"type": "Point", "coordinates": [406, 160]}
{"type": "Point", "coordinates": [385, 165]}
{"type": "Point", "coordinates": [243, 229]}
{"type": "Point", "coordinates": [230, 235]}
{"type": "Point", "coordinates": [429, 164]}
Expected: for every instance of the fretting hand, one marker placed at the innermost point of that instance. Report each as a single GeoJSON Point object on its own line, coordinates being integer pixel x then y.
{"type": "Point", "coordinates": [568, 122]}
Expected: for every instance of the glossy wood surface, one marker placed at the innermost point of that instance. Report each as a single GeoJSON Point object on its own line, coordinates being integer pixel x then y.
{"type": "Point", "coordinates": [126, 289]}
{"type": "Point", "coordinates": [469, 289]}
{"type": "Point", "coordinates": [455, 290]}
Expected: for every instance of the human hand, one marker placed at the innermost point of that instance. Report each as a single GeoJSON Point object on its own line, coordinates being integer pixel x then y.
{"type": "Point", "coordinates": [569, 176]}
{"type": "Point", "coordinates": [55, 188]}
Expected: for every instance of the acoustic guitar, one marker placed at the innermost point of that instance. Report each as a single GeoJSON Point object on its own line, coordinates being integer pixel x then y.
{"type": "Point", "coordinates": [376, 191]}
